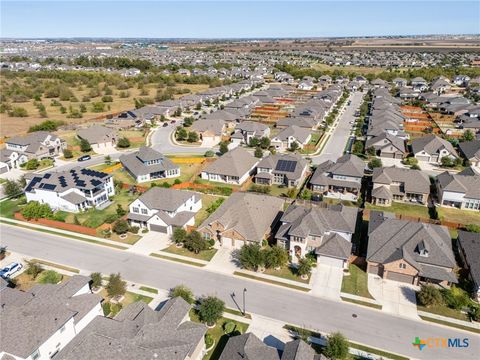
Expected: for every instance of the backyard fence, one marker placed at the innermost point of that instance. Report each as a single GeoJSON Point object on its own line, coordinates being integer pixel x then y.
{"type": "Point", "coordinates": [59, 225]}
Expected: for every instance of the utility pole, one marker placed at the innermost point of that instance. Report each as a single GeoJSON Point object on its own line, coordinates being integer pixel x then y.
{"type": "Point", "coordinates": [244, 291]}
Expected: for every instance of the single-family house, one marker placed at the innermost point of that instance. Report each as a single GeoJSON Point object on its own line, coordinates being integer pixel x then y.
{"type": "Point", "coordinates": [460, 190]}
{"type": "Point", "coordinates": [391, 184]}
{"type": "Point", "coordinates": [71, 190]}
{"type": "Point", "coordinates": [160, 209]}
{"type": "Point", "coordinates": [293, 134]}
{"type": "Point", "coordinates": [243, 218]}
{"type": "Point", "coordinates": [210, 131]}
{"type": "Point", "coordinates": [98, 136]}
{"type": "Point", "coordinates": [419, 84]}
{"type": "Point", "coordinates": [37, 145]}
{"type": "Point", "coordinates": [234, 167]}
{"type": "Point", "coordinates": [341, 179]}
{"type": "Point", "coordinates": [282, 169]}
{"type": "Point", "coordinates": [247, 130]}
{"type": "Point", "coordinates": [387, 145]}
{"type": "Point", "coordinates": [325, 230]}
{"type": "Point", "coordinates": [470, 150]}
{"type": "Point", "coordinates": [11, 159]}
{"type": "Point", "coordinates": [38, 323]}
{"type": "Point", "coordinates": [409, 251]}
{"type": "Point", "coordinates": [432, 149]}
{"type": "Point", "coordinates": [148, 164]}
{"type": "Point", "coordinates": [469, 250]}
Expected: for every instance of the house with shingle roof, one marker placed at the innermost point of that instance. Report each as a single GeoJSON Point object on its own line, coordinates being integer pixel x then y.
{"type": "Point", "coordinates": [98, 136]}
{"type": "Point", "coordinates": [325, 230]}
{"type": "Point", "coordinates": [391, 184]}
{"type": "Point", "coordinates": [341, 179]}
{"type": "Point", "coordinates": [160, 209]}
{"type": "Point", "coordinates": [387, 146]}
{"type": "Point", "coordinates": [148, 164]}
{"type": "Point", "coordinates": [293, 134]}
{"type": "Point", "coordinates": [71, 190]}
{"type": "Point", "coordinates": [469, 250]}
{"type": "Point", "coordinates": [234, 167]}
{"type": "Point", "coordinates": [432, 149]}
{"type": "Point", "coordinates": [247, 130]}
{"type": "Point", "coordinates": [282, 169]}
{"type": "Point", "coordinates": [37, 145]}
{"type": "Point", "coordinates": [139, 332]}
{"type": "Point", "coordinates": [471, 151]}
{"type": "Point", "coordinates": [210, 131]}
{"type": "Point", "coordinates": [40, 322]}
{"type": "Point", "coordinates": [243, 218]}
{"type": "Point", "coordinates": [460, 190]}
{"type": "Point", "coordinates": [409, 251]}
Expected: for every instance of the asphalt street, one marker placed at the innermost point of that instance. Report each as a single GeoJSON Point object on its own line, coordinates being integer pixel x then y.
{"type": "Point", "coordinates": [371, 327]}
{"type": "Point", "coordinates": [337, 141]}
{"type": "Point", "coordinates": [161, 142]}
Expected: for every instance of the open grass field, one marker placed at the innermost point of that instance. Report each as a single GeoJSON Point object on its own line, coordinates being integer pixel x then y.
{"type": "Point", "coordinates": [19, 125]}
{"type": "Point", "coordinates": [403, 209]}
{"type": "Point", "coordinates": [459, 216]}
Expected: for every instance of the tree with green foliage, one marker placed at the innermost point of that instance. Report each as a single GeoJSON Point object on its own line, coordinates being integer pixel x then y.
{"type": "Point", "coordinates": [375, 163]}
{"type": "Point", "coordinates": [179, 235]}
{"type": "Point", "coordinates": [47, 125]}
{"type": "Point", "coordinates": [18, 112]}
{"type": "Point", "coordinates": [473, 228]}
{"type": "Point", "coordinates": [468, 135]}
{"type": "Point", "coordinates": [294, 147]}
{"type": "Point", "coordinates": [184, 292]}
{"type": "Point", "coordinates": [116, 286]}
{"type": "Point", "coordinates": [251, 256]}
{"type": "Point", "coordinates": [223, 147]}
{"type": "Point", "coordinates": [120, 227]}
{"type": "Point", "coordinates": [36, 210]}
{"type": "Point", "coordinates": [85, 145]}
{"type": "Point", "coordinates": [108, 160]}
{"type": "Point", "coordinates": [96, 280]}
{"type": "Point", "coordinates": [371, 151]}
{"type": "Point", "coordinates": [254, 142]}
{"type": "Point", "coordinates": [337, 346]}
{"type": "Point", "coordinates": [304, 267]}
{"type": "Point", "coordinates": [211, 310]}
{"type": "Point", "coordinates": [67, 153]}
{"type": "Point", "coordinates": [429, 295]}
{"type": "Point", "coordinates": [264, 142]}
{"type": "Point", "coordinates": [123, 143]}
{"type": "Point", "coordinates": [258, 153]}
{"type": "Point", "coordinates": [192, 137]}
{"type": "Point", "coordinates": [194, 242]}
{"type": "Point", "coordinates": [446, 161]}
{"type": "Point", "coordinates": [209, 153]}
{"type": "Point", "coordinates": [306, 194]}
{"type": "Point", "coordinates": [181, 134]}
{"type": "Point", "coordinates": [50, 277]}
{"type": "Point", "coordinates": [178, 112]}
{"type": "Point", "coordinates": [32, 164]}
{"type": "Point", "coordinates": [12, 188]}
{"type": "Point", "coordinates": [120, 210]}
{"type": "Point", "coordinates": [275, 257]}
{"type": "Point", "coordinates": [33, 269]}
{"type": "Point", "coordinates": [358, 147]}
{"type": "Point", "coordinates": [188, 121]}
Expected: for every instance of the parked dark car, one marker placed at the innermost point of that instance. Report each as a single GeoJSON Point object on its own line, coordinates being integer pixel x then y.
{"type": "Point", "coordinates": [84, 158]}
{"type": "Point", "coordinates": [165, 124]}
{"type": "Point", "coordinates": [172, 122]}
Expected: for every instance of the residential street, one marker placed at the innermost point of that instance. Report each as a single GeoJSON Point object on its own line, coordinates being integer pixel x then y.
{"type": "Point", "coordinates": [338, 139]}
{"type": "Point", "coordinates": [370, 327]}
{"type": "Point", "coordinates": [161, 142]}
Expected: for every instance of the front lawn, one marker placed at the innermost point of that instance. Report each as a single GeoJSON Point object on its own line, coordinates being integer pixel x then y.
{"type": "Point", "coordinates": [357, 282]}
{"type": "Point", "coordinates": [288, 273]}
{"type": "Point", "coordinates": [403, 209]}
{"type": "Point", "coordinates": [458, 216]}
{"type": "Point", "coordinates": [136, 137]}
{"type": "Point", "coordinates": [205, 255]}
{"type": "Point", "coordinates": [10, 206]}
{"type": "Point", "coordinates": [25, 282]}
{"type": "Point", "coordinates": [205, 211]}
{"type": "Point", "coordinates": [218, 334]}
{"type": "Point", "coordinates": [443, 310]}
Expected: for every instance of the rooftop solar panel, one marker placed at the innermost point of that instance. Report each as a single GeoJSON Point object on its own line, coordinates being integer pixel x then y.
{"type": "Point", "coordinates": [286, 165]}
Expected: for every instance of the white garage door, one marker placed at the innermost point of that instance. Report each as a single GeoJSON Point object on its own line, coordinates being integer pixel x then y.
{"type": "Point", "coordinates": [325, 260]}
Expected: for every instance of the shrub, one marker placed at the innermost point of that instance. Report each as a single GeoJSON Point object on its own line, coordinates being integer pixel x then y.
{"type": "Point", "coordinates": [429, 295]}
{"type": "Point", "coordinates": [258, 153]}
{"type": "Point", "coordinates": [223, 147]}
{"type": "Point", "coordinates": [475, 313]}
{"type": "Point", "coordinates": [107, 98]}
{"type": "Point", "coordinates": [134, 229]}
{"type": "Point", "coordinates": [116, 286]}
{"type": "Point", "coordinates": [33, 269]}
{"type": "Point", "coordinates": [120, 227]}
{"type": "Point", "coordinates": [455, 298]}
{"type": "Point", "coordinates": [12, 188]}
{"type": "Point", "coordinates": [184, 292]}
{"type": "Point", "coordinates": [50, 277]}
{"type": "Point", "coordinates": [229, 327]}
{"type": "Point", "coordinates": [35, 210]}
{"type": "Point", "coordinates": [179, 235]}
{"type": "Point", "coordinates": [263, 189]}
{"type": "Point", "coordinates": [120, 211]}
{"type": "Point", "coordinates": [115, 308]}
{"type": "Point", "coordinates": [47, 125]}
{"type": "Point", "coordinates": [209, 153]}
{"type": "Point", "coordinates": [106, 308]}
{"type": "Point", "coordinates": [337, 346]}
{"type": "Point", "coordinates": [251, 256]}
{"type": "Point", "coordinates": [209, 341]}
{"type": "Point", "coordinates": [123, 142]}
{"type": "Point", "coordinates": [473, 228]}
{"type": "Point", "coordinates": [375, 163]}
{"type": "Point", "coordinates": [32, 164]}
{"type": "Point", "coordinates": [192, 137]}
{"type": "Point", "coordinates": [18, 112]}
{"type": "Point", "coordinates": [67, 154]}
{"type": "Point", "coordinates": [177, 181]}
{"type": "Point", "coordinates": [276, 257]}
{"type": "Point", "coordinates": [304, 267]}
{"type": "Point", "coordinates": [85, 145]}
{"type": "Point", "coordinates": [211, 310]}
{"type": "Point", "coordinates": [96, 279]}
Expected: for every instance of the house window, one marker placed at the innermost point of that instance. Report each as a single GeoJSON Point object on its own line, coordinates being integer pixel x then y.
{"type": "Point", "coordinates": [206, 236]}
{"type": "Point", "coordinates": [144, 211]}
{"type": "Point", "coordinates": [36, 355]}
{"type": "Point", "coordinates": [402, 266]}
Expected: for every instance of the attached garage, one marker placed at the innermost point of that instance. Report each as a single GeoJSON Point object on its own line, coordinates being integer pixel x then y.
{"type": "Point", "coordinates": [405, 278]}
{"type": "Point", "coordinates": [423, 158]}
{"type": "Point", "coordinates": [375, 269]}
{"type": "Point", "coordinates": [335, 262]}
{"type": "Point", "coordinates": [159, 228]}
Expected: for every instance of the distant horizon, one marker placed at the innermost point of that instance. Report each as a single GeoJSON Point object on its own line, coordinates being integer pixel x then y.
{"type": "Point", "coordinates": [224, 20]}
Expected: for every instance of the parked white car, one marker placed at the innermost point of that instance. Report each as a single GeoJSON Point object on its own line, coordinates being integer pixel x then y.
{"type": "Point", "coordinates": [10, 269]}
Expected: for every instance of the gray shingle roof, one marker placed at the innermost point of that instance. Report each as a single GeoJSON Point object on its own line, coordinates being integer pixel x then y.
{"type": "Point", "coordinates": [335, 245]}
{"type": "Point", "coordinates": [432, 144]}
{"type": "Point", "coordinates": [134, 162]}
{"type": "Point", "coordinates": [471, 149]}
{"type": "Point", "coordinates": [236, 162]}
{"type": "Point", "coordinates": [271, 161]}
{"type": "Point", "coordinates": [96, 134]}
{"type": "Point", "coordinates": [248, 347]}
{"type": "Point", "coordinates": [250, 214]}
{"type": "Point", "coordinates": [466, 184]}
{"type": "Point", "coordinates": [165, 199]}
{"type": "Point", "coordinates": [347, 165]}
{"type": "Point", "coordinates": [33, 140]}
{"type": "Point", "coordinates": [414, 181]}
{"type": "Point", "coordinates": [470, 243]}
{"type": "Point", "coordinates": [300, 134]}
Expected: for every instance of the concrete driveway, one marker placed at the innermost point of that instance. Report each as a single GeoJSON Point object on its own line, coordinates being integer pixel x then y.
{"type": "Point", "coordinates": [397, 298]}
{"type": "Point", "coordinates": [13, 174]}
{"type": "Point", "coordinates": [327, 281]}
{"type": "Point", "coordinates": [224, 261]}
{"type": "Point", "coordinates": [150, 242]}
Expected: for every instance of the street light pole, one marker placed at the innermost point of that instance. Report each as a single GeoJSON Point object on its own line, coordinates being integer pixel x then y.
{"type": "Point", "coordinates": [244, 291]}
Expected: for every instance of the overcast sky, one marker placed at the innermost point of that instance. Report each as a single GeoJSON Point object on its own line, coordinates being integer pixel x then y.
{"type": "Point", "coordinates": [236, 19]}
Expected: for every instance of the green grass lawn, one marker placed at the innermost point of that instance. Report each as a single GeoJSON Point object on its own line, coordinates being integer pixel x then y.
{"type": "Point", "coordinates": [205, 255]}
{"type": "Point", "coordinates": [130, 239]}
{"type": "Point", "coordinates": [131, 297]}
{"type": "Point", "coordinates": [207, 200]}
{"type": "Point", "coordinates": [404, 209]}
{"type": "Point", "coordinates": [218, 334]}
{"type": "Point", "coordinates": [280, 190]}
{"type": "Point", "coordinates": [286, 272]}
{"type": "Point", "coordinates": [459, 216]}
{"type": "Point", "coordinates": [149, 289]}
{"type": "Point", "coordinates": [10, 206]}
{"type": "Point", "coordinates": [357, 282]}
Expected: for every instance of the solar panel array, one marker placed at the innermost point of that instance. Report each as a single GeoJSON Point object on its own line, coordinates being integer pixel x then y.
{"type": "Point", "coordinates": [286, 165]}
{"type": "Point", "coordinates": [32, 183]}
{"type": "Point", "coordinates": [63, 182]}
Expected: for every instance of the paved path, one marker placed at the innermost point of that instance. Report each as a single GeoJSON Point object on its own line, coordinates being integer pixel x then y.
{"type": "Point", "coordinates": [370, 327]}
{"type": "Point", "coordinates": [340, 134]}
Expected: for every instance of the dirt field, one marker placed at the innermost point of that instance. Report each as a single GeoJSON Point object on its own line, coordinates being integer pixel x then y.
{"type": "Point", "coordinates": [10, 126]}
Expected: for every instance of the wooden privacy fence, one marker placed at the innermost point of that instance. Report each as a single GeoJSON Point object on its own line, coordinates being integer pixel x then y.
{"type": "Point", "coordinates": [449, 224]}
{"type": "Point", "coordinates": [59, 225]}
